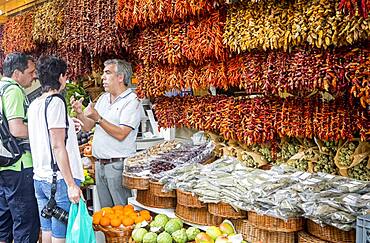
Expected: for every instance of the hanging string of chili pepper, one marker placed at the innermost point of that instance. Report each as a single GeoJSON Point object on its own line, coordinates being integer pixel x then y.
{"type": "Point", "coordinates": [360, 7]}
{"type": "Point", "coordinates": [17, 35]}
{"type": "Point", "coordinates": [299, 73]}
{"type": "Point", "coordinates": [88, 25]}
{"type": "Point", "coordinates": [142, 13]}
{"type": "Point", "coordinates": [193, 41]}
{"type": "Point", "coordinates": [48, 22]}
{"type": "Point", "coordinates": [282, 25]}
{"type": "Point", "coordinates": [260, 120]}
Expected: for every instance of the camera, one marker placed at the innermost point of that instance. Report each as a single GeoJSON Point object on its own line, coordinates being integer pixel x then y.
{"type": "Point", "coordinates": [52, 210]}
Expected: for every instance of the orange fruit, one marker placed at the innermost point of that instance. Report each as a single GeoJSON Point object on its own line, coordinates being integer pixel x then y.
{"type": "Point", "coordinates": [115, 222]}
{"type": "Point", "coordinates": [96, 217]}
{"type": "Point", "coordinates": [105, 221]}
{"type": "Point", "coordinates": [107, 211]}
{"type": "Point", "coordinates": [128, 208]}
{"type": "Point", "coordinates": [118, 207]}
{"type": "Point", "coordinates": [139, 219]}
{"type": "Point", "coordinates": [132, 215]}
{"type": "Point", "coordinates": [127, 221]}
{"type": "Point", "coordinates": [145, 214]}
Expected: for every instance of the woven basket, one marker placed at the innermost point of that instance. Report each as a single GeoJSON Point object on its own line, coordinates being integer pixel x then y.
{"type": "Point", "coordinates": [146, 198]}
{"type": "Point", "coordinates": [225, 210]}
{"type": "Point", "coordinates": [132, 182]}
{"type": "Point", "coordinates": [265, 222]}
{"type": "Point", "coordinates": [197, 215]}
{"type": "Point", "coordinates": [304, 237]}
{"type": "Point", "coordinates": [188, 200]}
{"type": "Point", "coordinates": [330, 233]}
{"type": "Point", "coordinates": [115, 235]}
{"type": "Point", "coordinates": [156, 190]}
{"type": "Point", "coordinates": [253, 234]}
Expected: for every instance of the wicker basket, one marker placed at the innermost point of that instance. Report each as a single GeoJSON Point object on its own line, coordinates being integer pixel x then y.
{"type": "Point", "coordinates": [156, 190]}
{"type": "Point", "coordinates": [330, 233]}
{"type": "Point", "coordinates": [225, 210]}
{"type": "Point", "coordinates": [265, 222]}
{"type": "Point", "coordinates": [253, 234]}
{"type": "Point", "coordinates": [146, 198]}
{"type": "Point", "coordinates": [304, 237]}
{"type": "Point", "coordinates": [197, 215]}
{"type": "Point", "coordinates": [189, 200]}
{"type": "Point", "coordinates": [115, 235]}
{"type": "Point", "coordinates": [132, 182]}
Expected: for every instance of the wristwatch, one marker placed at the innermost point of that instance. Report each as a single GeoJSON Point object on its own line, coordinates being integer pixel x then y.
{"type": "Point", "coordinates": [99, 120]}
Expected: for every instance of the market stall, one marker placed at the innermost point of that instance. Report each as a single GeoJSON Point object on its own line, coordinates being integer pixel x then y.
{"type": "Point", "coordinates": [286, 152]}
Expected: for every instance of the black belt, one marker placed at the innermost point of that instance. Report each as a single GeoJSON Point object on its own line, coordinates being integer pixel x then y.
{"type": "Point", "coordinates": [112, 160]}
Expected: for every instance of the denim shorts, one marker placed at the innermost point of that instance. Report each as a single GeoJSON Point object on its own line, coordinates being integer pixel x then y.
{"type": "Point", "coordinates": [42, 190]}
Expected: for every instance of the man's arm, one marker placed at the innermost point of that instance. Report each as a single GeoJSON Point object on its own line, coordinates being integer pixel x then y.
{"type": "Point", "coordinates": [118, 132]}
{"type": "Point", "coordinates": [17, 128]}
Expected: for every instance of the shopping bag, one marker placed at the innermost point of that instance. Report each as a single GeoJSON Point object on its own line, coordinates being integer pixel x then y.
{"type": "Point", "coordinates": [79, 228]}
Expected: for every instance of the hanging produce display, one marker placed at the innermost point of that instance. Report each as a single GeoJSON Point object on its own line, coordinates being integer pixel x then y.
{"type": "Point", "coordinates": [178, 43]}
{"type": "Point", "coordinates": [88, 25]}
{"type": "Point", "coordinates": [48, 22]}
{"type": "Point", "coordinates": [17, 35]}
{"type": "Point", "coordinates": [282, 25]}
{"type": "Point", "coordinates": [156, 80]}
{"type": "Point", "coordinates": [301, 73]}
{"type": "Point", "coordinates": [260, 120]}
{"type": "Point", "coordinates": [131, 13]}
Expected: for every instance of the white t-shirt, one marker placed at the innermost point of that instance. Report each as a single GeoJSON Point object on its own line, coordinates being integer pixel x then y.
{"type": "Point", "coordinates": [124, 111]}
{"type": "Point", "coordinates": [39, 139]}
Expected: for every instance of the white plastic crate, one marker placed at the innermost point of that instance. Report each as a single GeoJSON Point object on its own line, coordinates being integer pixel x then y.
{"type": "Point", "coordinates": [363, 229]}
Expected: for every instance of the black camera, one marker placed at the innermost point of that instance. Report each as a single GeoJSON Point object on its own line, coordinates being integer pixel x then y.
{"type": "Point", "coordinates": [52, 210]}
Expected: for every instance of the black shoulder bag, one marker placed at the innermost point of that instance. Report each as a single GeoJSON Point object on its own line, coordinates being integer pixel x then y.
{"type": "Point", "coordinates": [10, 149]}
{"type": "Point", "coordinates": [51, 209]}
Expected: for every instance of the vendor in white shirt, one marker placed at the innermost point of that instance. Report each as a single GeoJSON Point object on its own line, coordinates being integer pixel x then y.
{"type": "Point", "coordinates": [117, 117]}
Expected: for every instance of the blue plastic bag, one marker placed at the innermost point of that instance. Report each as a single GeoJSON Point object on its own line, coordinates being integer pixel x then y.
{"type": "Point", "coordinates": [79, 228]}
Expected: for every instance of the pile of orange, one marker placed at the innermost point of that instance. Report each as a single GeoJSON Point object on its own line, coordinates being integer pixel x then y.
{"type": "Point", "coordinates": [120, 215]}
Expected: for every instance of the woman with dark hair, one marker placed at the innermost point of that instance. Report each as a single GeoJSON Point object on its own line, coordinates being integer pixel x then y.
{"type": "Point", "coordinates": [53, 139]}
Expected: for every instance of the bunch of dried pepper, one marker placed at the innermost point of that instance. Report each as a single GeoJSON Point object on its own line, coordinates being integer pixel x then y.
{"type": "Point", "coordinates": [284, 25]}
{"type": "Point", "coordinates": [17, 35]}
{"type": "Point", "coordinates": [195, 41]}
{"type": "Point", "coordinates": [48, 22]}
{"type": "Point", "coordinates": [88, 25]}
{"type": "Point", "coordinates": [142, 13]}
{"type": "Point", "coordinates": [260, 120]}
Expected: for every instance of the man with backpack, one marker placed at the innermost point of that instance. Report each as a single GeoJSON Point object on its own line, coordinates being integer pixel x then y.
{"type": "Point", "coordinates": [19, 220]}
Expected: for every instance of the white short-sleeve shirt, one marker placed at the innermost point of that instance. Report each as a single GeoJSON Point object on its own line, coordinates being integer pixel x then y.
{"type": "Point", "coordinates": [124, 111]}
{"type": "Point", "coordinates": [39, 139]}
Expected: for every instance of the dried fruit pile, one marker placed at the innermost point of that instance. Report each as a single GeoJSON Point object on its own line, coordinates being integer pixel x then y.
{"type": "Point", "coordinates": [131, 13]}
{"type": "Point", "coordinates": [48, 22]}
{"type": "Point", "coordinates": [195, 41]}
{"type": "Point", "coordinates": [260, 120]}
{"type": "Point", "coordinates": [88, 25]}
{"type": "Point", "coordinates": [270, 73]}
{"type": "Point", "coordinates": [283, 25]}
{"type": "Point", "coordinates": [17, 34]}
